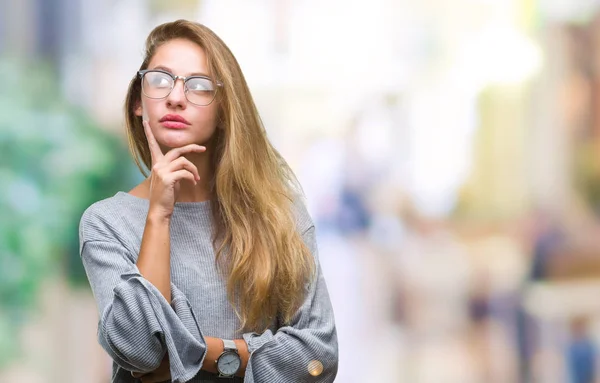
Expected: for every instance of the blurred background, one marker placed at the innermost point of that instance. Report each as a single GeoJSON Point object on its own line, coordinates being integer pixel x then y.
{"type": "Point", "coordinates": [449, 151]}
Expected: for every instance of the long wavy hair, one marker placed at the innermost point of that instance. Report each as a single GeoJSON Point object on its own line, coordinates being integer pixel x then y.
{"type": "Point", "coordinates": [258, 247]}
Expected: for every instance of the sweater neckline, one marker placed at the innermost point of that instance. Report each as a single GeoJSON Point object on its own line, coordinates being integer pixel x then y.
{"type": "Point", "coordinates": [201, 205]}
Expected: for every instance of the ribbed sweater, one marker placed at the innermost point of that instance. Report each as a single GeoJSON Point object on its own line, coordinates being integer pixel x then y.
{"type": "Point", "coordinates": [137, 326]}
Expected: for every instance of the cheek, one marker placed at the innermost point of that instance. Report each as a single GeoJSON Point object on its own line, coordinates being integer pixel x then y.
{"type": "Point", "coordinates": [150, 108]}
{"type": "Point", "coordinates": [213, 112]}
{"type": "Point", "coordinates": [207, 119]}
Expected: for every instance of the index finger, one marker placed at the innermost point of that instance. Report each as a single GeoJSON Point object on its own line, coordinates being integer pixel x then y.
{"type": "Point", "coordinates": [155, 151]}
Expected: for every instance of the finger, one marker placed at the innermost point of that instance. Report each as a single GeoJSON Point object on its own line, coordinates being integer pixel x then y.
{"type": "Point", "coordinates": [137, 374]}
{"type": "Point", "coordinates": [171, 179]}
{"type": "Point", "coordinates": [182, 175]}
{"type": "Point", "coordinates": [184, 163]}
{"type": "Point", "coordinates": [178, 152]}
{"type": "Point", "coordinates": [155, 151]}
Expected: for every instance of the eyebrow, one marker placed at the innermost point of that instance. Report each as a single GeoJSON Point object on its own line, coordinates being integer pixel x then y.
{"type": "Point", "coordinates": [161, 67]}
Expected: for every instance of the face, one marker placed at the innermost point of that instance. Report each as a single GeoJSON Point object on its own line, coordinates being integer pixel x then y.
{"type": "Point", "coordinates": [182, 58]}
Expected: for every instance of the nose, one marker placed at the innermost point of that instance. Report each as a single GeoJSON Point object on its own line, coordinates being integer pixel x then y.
{"type": "Point", "coordinates": [177, 97]}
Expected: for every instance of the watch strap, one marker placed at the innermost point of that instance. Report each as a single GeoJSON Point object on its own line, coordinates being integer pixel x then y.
{"type": "Point", "coordinates": [229, 345]}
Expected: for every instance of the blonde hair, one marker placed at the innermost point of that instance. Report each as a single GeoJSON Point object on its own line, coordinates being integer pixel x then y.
{"type": "Point", "coordinates": [258, 246]}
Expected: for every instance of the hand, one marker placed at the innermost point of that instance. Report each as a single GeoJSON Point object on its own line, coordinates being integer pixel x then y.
{"type": "Point", "coordinates": [167, 171]}
{"type": "Point", "coordinates": [161, 374]}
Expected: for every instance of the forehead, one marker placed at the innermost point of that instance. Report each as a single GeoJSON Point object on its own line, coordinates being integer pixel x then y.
{"type": "Point", "coordinates": [180, 56]}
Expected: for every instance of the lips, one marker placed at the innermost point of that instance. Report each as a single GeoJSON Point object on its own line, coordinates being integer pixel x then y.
{"type": "Point", "coordinates": [175, 118]}
{"type": "Point", "coordinates": [174, 121]}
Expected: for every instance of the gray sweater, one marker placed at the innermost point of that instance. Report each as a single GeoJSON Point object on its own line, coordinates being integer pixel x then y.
{"type": "Point", "coordinates": [137, 326]}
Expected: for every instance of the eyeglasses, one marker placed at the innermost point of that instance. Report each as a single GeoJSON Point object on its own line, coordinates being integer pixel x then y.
{"type": "Point", "coordinates": [199, 90]}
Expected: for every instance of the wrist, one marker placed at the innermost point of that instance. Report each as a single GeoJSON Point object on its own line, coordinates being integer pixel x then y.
{"type": "Point", "coordinates": [214, 348]}
{"type": "Point", "coordinates": [229, 362]}
{"type": "Point", "coordinates": [158, 217]}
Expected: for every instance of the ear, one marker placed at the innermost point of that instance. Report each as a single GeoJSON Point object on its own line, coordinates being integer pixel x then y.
{"type": "Point", "coordinates": [138, 109]}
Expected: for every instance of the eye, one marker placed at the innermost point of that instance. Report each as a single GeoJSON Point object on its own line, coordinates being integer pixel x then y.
{"type": "Point", "coordinates": [158, 80]}
{"type": "Point", "coordinates": [200, 84]}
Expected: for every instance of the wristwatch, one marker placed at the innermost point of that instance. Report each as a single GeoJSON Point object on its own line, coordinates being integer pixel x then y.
{"type": "Point", "coordinates": [229, 362]}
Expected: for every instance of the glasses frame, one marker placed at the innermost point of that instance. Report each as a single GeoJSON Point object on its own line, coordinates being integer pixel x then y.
{"type": "Point", "coordinates": [142, 73]}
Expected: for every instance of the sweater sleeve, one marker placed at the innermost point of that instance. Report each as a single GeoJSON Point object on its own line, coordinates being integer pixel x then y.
{"type": "Point", "coordinates": [310, 338]}
{"type": "Point", "coordinates": [137, 325]}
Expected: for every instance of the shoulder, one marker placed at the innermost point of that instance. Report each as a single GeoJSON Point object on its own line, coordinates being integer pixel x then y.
{"type": "Point", "coordinates": [101, 221]}
{"type": "Point", "coordinates": [300, 213]}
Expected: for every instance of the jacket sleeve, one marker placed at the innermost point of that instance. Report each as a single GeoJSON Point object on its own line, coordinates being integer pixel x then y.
{"type": "Point", "coordinates": [137, 326]}
{"type": "Point", "coordinates": [310, 339]}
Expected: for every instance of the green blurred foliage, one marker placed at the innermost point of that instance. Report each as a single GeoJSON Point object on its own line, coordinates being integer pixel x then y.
{"type": "Point", "coordinates": [54, 162]}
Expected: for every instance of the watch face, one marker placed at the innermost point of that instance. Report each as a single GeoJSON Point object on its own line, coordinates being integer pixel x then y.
{"type": "Point", "coordinates": [229, 363]}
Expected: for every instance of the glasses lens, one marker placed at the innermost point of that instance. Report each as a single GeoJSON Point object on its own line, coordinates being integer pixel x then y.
{"type": "Point", "coordinates": [200, 90]}
{"type": "Point", "coordinates": [157, 84]}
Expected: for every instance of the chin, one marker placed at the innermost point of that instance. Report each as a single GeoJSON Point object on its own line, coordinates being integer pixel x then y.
{"type": "Point", "coordinates": [178, 138]}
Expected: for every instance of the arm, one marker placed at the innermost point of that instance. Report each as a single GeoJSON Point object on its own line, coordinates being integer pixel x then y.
{"type": "Point", "coordinates": [155, 264]}
{"type": "Point", "coordinates": [168, 170]}
{"type": "Point", "coordinates": [137, 326]}
{"type": "Point", "coordinates": [155, 267]}
{"type": "Point", "coordinates": [214, 348]}
{"type": "Point", "coordinates": [311, 336]}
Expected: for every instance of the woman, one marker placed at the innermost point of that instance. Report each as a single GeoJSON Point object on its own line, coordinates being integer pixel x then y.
{"type": "Point", "coordinates": [207, 271]}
